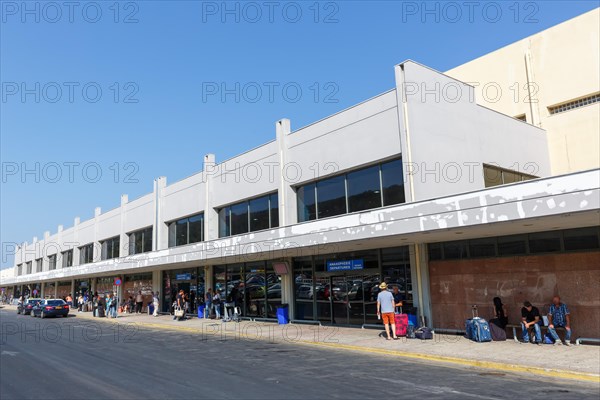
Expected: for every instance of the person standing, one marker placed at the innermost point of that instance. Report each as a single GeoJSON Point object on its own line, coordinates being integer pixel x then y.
{"type": "Point", "coordinates": [216, 301]}
{"type": "Point", "coordinates": [559, 317]}
{"type": "Point", "coordinates": [385, 310]}
{"type": "Point", "coordinates": [179, 304]}
{"type": "Point", "coordinates": [530, 317]}
{"type": "Point", "coordinates": [398, 298]}
{"type": "Point", "coordinates": [208, 301]}
{"type": "Point", "coordinates": [139, 302]}
{"type": "Point", "coordinates": [155, 303]}
{"type": "Point", "coordinates": [80, 303]}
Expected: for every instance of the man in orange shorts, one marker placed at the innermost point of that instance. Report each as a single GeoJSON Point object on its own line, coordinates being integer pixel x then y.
{"type": "Point", "coordinates": [385, 310]}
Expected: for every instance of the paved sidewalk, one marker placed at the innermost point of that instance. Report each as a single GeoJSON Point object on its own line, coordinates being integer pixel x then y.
{"type": "Point", "coordinates": [574, 362]}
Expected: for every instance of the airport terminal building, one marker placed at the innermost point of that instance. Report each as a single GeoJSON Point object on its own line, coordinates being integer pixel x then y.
{"type": "Point", "coordinates": [421, 187]}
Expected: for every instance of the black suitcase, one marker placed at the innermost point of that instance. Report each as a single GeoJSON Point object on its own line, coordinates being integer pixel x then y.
{"type": "Point", "coordinates": [101, 312]}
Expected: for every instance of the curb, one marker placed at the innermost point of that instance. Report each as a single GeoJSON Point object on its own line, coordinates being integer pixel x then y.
{"type": "Point", "coordinates": [491, 365]}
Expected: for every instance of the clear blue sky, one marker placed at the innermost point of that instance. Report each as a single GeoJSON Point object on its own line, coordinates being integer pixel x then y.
{"type": "Point", "coordinates": [166, 59]}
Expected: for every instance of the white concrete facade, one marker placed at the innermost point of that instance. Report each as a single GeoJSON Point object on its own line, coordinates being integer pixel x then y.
{"type": "Point", "coordinates": [443, 145]}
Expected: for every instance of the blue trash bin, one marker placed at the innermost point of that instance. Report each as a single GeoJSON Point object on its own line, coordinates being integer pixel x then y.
{"type": "Point", "coordinates": [201, 311]}
{"type": "Point", "coordinates": [283, 314]}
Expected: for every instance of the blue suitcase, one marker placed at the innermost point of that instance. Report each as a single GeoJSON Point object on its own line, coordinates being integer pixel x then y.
{"type": "Point", "coordinates": [477, 329]}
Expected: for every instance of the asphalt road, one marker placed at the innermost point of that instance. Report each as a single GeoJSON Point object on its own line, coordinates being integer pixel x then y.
{"type": "Point", "coordinates": [72, 358]}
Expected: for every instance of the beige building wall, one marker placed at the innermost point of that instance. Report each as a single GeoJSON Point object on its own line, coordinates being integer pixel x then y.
{"type": "Point", "coordinates": [555, 66]}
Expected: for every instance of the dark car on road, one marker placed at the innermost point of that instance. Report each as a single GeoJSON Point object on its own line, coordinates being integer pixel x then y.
{"type": "Point", "coordinates": [27, 306]}
{"type": "Point", "coordinates": [50, 308]}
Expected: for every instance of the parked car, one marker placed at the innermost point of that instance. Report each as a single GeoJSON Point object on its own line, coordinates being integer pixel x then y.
{"type": "Point", "coordinates": [50, 307]}
{"type": "Point", "coordinates": [27, 307]}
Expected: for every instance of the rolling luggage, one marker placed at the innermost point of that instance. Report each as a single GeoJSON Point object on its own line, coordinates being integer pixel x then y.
{"type": "Point", "coordinates": [498, 334]}
{"type": "Point", "coordinates": [100, 311]}
{"type": "Point", "coordinates": [424, 333]}
{"type": "Point", "coordinates": [410, 331]}
{"type": "Point", "coordinates": [477, 329]}
{"type": "Point", "coordinates": [401, 322]}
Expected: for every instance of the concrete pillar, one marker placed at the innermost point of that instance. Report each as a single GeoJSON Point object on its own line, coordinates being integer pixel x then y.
{"type": "Point", "coordinates": [92, 285]}
{"type": "Point", "coordinates": [287, 289]}
{"type": "Point", "coordinates": [55, 289]}
{"type": "Point", "coordinates": [160, 233]}
{"type": "Point", "coordinates": [76, 243]}
{"type": "Point", "coordinates": [73, 290]}
{"type": "Point", "coordinates": [157, 281]}
{"type": "Point", "coordinates": [208, 277]}
{"type": "Point", "coordinates": [419, 269]}
{"type": "Point", "coordinates": [96, 248]}
{"type": "Point", "coordinates": [287, 197]}
{"type": "Point", "coordinates": [42, 290]}
{"type": "Point", "coordinates": [124, 239]}
{"type": "Point", "coordinates": [211, 217]}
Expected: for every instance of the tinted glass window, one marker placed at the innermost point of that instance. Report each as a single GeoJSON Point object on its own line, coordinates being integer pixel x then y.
{"type": "Point", "coordinates": [393, 183]}
{"type": "Point", "coordinates": [331, 197]}
{"type": "Point", "coordinates": [259, 213]}
{"type": "Point", "coordinates": [364, 189]}
{"type": "Point", "coordinates": [274, 201]}
{"type": "Point", "coordinates": [435, 251]}
{"type": "Point", "coordinates": [544, 242]}
{"type": "Point", "coordinates": [306, 203]}
{"type": "Point", "coordinates": [224, 222]}
{"type": "Point", "coordinates": [181, 232]}
{"type": "Point", "coordinates": [492, 176]}
{"type": "Point", "coordinates": [55, 302]}
{"type": "Point", "coordinates": [485, 247]}
{"type": "Point", "coordinates": [147, 240]}
{"type": "Point", "coordinates": [239, 218]}
{"type": "Point", "coordinates": [510, 245]}
{"type": "Point", "coordinates": [455, 250]}
{"type": "Point", "coordinates": [196, 228]}
{"type": "Point", "coordinates": [581, 239]}
{"type": "Point", "coordinates": [510, 177]}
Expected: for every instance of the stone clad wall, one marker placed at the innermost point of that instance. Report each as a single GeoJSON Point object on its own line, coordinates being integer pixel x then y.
{"type": "Point", "coordinates": [456, 285]}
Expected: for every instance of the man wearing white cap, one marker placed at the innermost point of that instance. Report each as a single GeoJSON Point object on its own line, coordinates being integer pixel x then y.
{"type": "Point", "coordinates": [385, 310]}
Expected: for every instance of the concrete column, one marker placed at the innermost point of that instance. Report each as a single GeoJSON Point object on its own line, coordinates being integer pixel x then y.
{"type": "Point", "coordinates": [96, 248]}
{"type": "Point", "coordinates": [42, 290]}
{"type": "Point", "coordinates": [157, 281]}
{"type": "Point", "coordinates": [419, 269]}
{"type": "Point", "coordinates": [92, 285]}
{"type": "Point", "coordinates": [287, 197]}
{"type": "Point", "coordinates": [287, 290]}
{"type": "Point", "coordinates": [55, 289]}
{"type": "Point", "coordinates": [211, 217]}
{"type": "Point", "coordinates": [160, 232]}
{"type": "Point", "coordinates": [73, 290]}
{"type": "Point", "coordinates": [76, 243]}
{"type": "Point", "coordinates": [124, 239]}
{"type": "Point", "coordinates": [208, 277]}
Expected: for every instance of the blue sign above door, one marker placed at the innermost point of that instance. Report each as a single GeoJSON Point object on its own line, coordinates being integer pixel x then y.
{"type": "Point", "coordinates": [183, 277]}
{"type": "Point", "coordinates": [345, 265]}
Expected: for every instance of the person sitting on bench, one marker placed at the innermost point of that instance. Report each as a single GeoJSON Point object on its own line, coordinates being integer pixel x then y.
{"type": "Point", "coordinates": [559, 317]}
{"type": "Point", "coordinates": [530, 317]}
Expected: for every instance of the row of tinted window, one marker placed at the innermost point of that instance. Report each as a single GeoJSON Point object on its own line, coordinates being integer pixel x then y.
{"type": "Point", "coordinates": [364, 189]}
{"type": "Point", "coordinates": [249, 216]}
{"type": "Point", "coordinates": [495, 176]}
{"type": "Point", "coordinates": [110, 248]}
{"type": "Point", "coordinates": [67, 258]}
{"type": "Point", "coordinates": [532, 243]}
{"type": "Point", "coordinates": [186, 230]}
{"type": "Point", "coordinates": [140, 241]}
{"type": "Point", "coordinates": [86, 254]}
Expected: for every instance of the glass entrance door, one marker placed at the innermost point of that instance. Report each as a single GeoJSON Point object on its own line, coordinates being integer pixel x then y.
{"type": "Point", "coordinates": [347, 300]}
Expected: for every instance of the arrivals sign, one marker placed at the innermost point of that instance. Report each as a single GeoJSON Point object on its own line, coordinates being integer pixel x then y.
{"type": "Point", "coordinates": [183, 277]}
{"type": "Point", "coordinates": [345, 265]}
